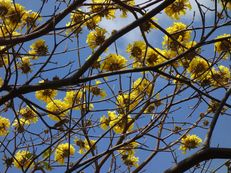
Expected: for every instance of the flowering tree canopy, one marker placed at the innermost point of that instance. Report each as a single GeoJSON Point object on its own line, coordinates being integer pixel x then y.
{"type": "Point", "coordinates": [115, 86]}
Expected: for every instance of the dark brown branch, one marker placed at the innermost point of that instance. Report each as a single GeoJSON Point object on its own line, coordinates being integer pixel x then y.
{"type": "Point", "coordinates": [202, 155]}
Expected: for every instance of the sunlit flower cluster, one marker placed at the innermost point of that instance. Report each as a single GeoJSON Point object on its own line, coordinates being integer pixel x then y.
{"type": "Point", "coordinates": [85, 145]}
{"type": "Point", "coordinates": [189, 142]}
{"type": "Point", "coordinates": [63, 151]}
{"type": "Point", "coordinates": [119, 123]}
{"type": "Point", "coordinates": [4, 126]}
{"type": "Point", "coordinates": [113, 62]}
{"type": "Point", "coordinates": [23, 159]}
{"type": "Point", "coordinates": [177, 9]}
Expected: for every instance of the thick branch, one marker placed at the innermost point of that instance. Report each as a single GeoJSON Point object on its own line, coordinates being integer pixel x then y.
{"type": "Point", "coordinates": [205, 154]}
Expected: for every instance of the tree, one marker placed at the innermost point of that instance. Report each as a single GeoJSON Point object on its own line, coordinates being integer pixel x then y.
{"type": "Point", "coordinates": [78, 94]}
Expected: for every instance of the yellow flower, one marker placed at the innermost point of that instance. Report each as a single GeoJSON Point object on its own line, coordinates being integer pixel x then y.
{"type": "Point", "coordinates": [92, 22]}
{"type": "Point", "coordinates": [45, 95]}
{"type": "Point", "coordinates": [103, 10]}
{"type": "Point", "coordinates": [84, 145]}
{"type": "Point", "coordinates": [5, 5]}
{"type": "Point", "coordinates": [189, 142]}
{"type": "Point", "coordinates": [74, 99]}
{"type": "Point", "coordinates": [179, 32]}
{"type": "Point", "coordinates": [124, 10]}
{"type": "Point", "coordinates": [38, 48]}
{"type": "Point", "coordinates": [178, 9]}
{"type": "Point", "coordinates": [130, 160]}
{"type": "Point", "coordinates": [137, 50]}
{"type": "Point", "coordinates": [142, 85]}
{"type": "Point", "coordinates": [214, 105]}
{"type": "Point", "coordinates": [104, 122]}
{"type": "Point", "coordinates": [58, 109]}
{"type": "Point", "coordinates": [76, 18]}
{"type": "Point", "coordinates": [63, 151]}
{"type": "Point", "coordinates": [220, 77]}
{"type": "Point", "coordinates": [22, 159]}
{"type": "Point", "coordinates": [96, 90]}
{"type": "Point", "coordinates": [4, 125]}
{"type": "Point", "coordinates": [25, 65]}
{"type": "Point", "coordinates": [223, 46]}
{"type": "Point", "coordinates": [147, 25]}
{"type": "Point", "coordinates": [113, 62]}
{"type": "Point", "coordinates": [28, 114]}
{"type": "Point", "coordinates": [128, 101]}
{"type": "Point", "coordinates": [1, 82]}
{"type": "Point", "coordinates": [153, 58]}
{"type": "Point", "coordinates": [30, 17]}
{"type": "Point", "coordinates": [96, 38]}
{"type": "Point", "coordinates": [119, 122]}
{"type": "Point", "coordinates": [198, 68]}
{"type": "Point", "coordinates": [14, 15]}
{"type": "Point", "coordinates": [128, 149]}
{"type": "Point", "coordinates": [20, 122]}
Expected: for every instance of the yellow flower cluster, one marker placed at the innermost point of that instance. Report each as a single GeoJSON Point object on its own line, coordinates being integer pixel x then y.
{"type": "Point", "coordinates": [15, 16]}
{"type": "Point", "coordinates": [143, 86]}
{"type": "Point", "coordinates": [189, 142]}
{"type": "Point", "coordinates": [113, 62]}
{"type": "Point", "coordinates": [96, 38]}
{"type": "Point", "coordinates": [4, 126]}
{"type": "Point", "coordinates": [130, 160]}
{"type": "Point", "coordinates": [63, 151]}
{"type": "Point", "coordinates": [22, 159]}
{"type": "Point", "coordinates": [179, 33]}
{"type": "Point", "coordinates": [177, 9]}
{"type": "Point", "coordinates": [96, 90]}
{"type": "Point", "coordinates": [118, 122]}
{"type": "Point", "coordinates": [223, 46]}
{"type": "Point", "coordinates": [58, 109]}
{"type": "Point", "coordinates": [85, 145]}
{"type": "Point", "coordinates": [28, 114]}
{"type": "Point", "coordinates": [38, 48]}
{"type": "Point", "coordinates": [25, 65]}
{"type": "Point", "coordinates": [46, 95]}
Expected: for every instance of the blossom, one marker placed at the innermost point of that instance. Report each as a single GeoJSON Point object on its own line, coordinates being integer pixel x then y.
{"type": "Point", "coordinates": [45, 95]}
{"type": "Point", "coordinates": [143, 85]}
{"type": "Point", "coordinates": [177, 9]}
{"type": "Point", "coordinates": [5, 5]}
{"type": "Point", "coordinates": [128, 101]}
{"type": "Point", "coordinates": [84, 145]}
{"type": "Point", "coordinates": [58, 109]}
{"type": "Point", "coordinates": [24, 65]}
{"type": "Point", "coordinates": [104, 122]}
{"type": "Point", "coordinates": [38, 48]}
{"type": "Point", "coordinates": [22, 159]}
{"type": "Point", "coordinates": [220, 77]}
{"type": "Point", "coordinates": [137, 50]}
{"type": "Point", "coordinates": [1, 82]}
{"type": "Point", "coordinates": [179, 32]}
{"type": "Point", "coordinates": [96, 38]}
{"type": "Point", "coordinates": [29, 114]}
{"type": "Point", "coordinates": [113, 62]}
{"type": "Point", "coordinates": [124, 10]}
{"type": "Point", "coordinates": [30, 17]}
{"type": "Point", "coordinates": [147, 25]}
{"type": "Point", "coordinates": [4, 125]}
{"type": "Point", "coordinates": [198, 68]}
{"type": "Point", "coordinates": [96, 90]}
{"type": "Point", "coordinates": [128, 149]}
{"type": "Point", "coordinates": [103, 10]}
{"type": "Point", "coordinates": [189, 142]}
{"type": "Point", "coordinates": [14, 15]}
{"type": "Point", "coordinates": [153, 57]}
{"type": "Point", "coordinates": [120, 122]}
{"type": "Point", "coordinates": [92, 22]}
{"type": "Point", "coordinates": [63, 151]}
{"type": "Point", "coordinates": [130, 160]}
{"type": "Point", "coordinates": [76, 18]}
{"type": "Point", "coordinates": [223, 46]}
